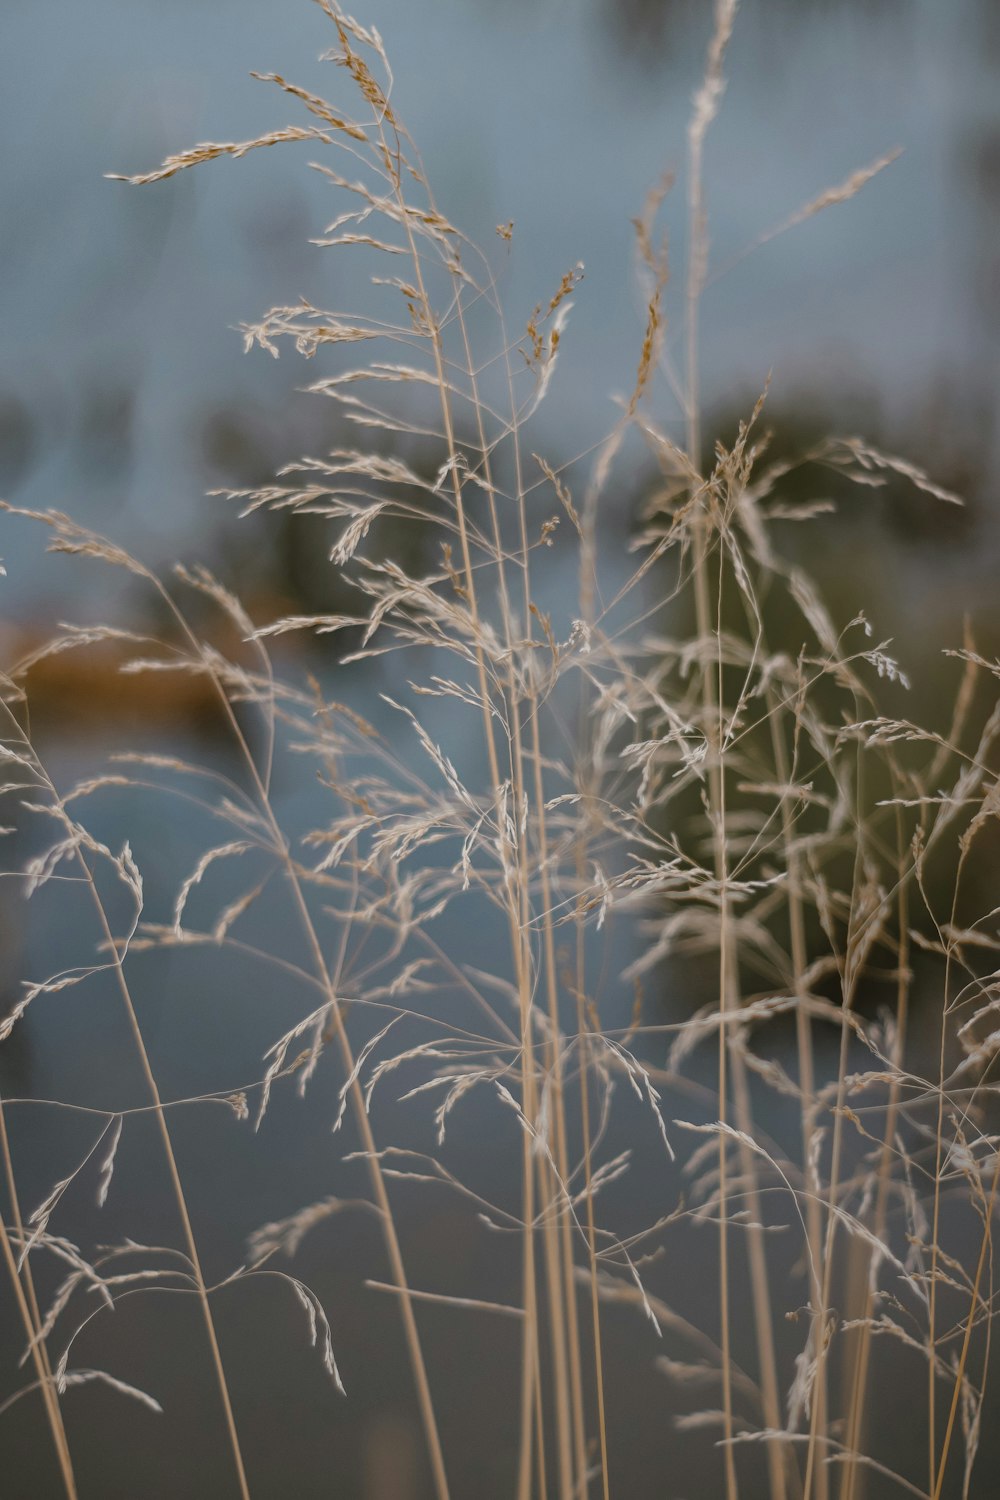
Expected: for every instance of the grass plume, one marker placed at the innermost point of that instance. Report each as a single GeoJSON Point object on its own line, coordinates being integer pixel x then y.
{"type": "Point", "coordinates": [715, 870]}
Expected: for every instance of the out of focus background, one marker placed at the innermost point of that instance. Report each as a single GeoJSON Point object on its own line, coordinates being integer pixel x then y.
{"type": "Point", "coordinates": [124, 393]}
{"type": "Point", "coordinates": [125, 397]}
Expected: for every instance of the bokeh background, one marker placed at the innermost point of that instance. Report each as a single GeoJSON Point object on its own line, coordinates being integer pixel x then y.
{"type": "Point", "coordinates": [125, 396]}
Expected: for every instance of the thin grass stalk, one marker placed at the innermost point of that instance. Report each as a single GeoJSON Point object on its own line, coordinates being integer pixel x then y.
{"type": "Point", "coordinates": [817, 1470]}
{"type": "Point", "coordinates": [27, 1306]}
{"type": "Point", "coordinates": [702, 625]}
{"type": "Point", "coordinates": [697, 256]}
{"type": "Point", "coordinates": [729, 1002]}
{"type": "Point", "coordinates": [152, 1089]}
{"type": "Point", "coordinates": [854, 1472]}
{"type": "Point", "coordinates": [564, 1292]}
{"type": "Point", "coordinates": [803, 1022]}
{"type": "Point", "coordinates": [595, 1306]}
{"type": "Point", "coordinates": [987, 1244]}
{"type": "Point", "coordinates": [706, 106]}
{"type": "Point", "coordinates": [392, 160]}
{"type": "Point", "coordinates": [586, 597]}
{"type": "Point", "coordinates": [521, 961]}
{"type": "Point", "coordinates": [518, 914]}
{"type": "Point", "coordinates": [558, 1112]}
{"type": "Point", "coordinates": [935, 1479]}
{"type": "Point", "coordinates": [561, 1290]}
{"type": "Point", "coordinates": [854, 1478]}
{"type": "Point", "coordinates": [356, 1094]}
{"type": "Point", "coordinates": [42, 1370]}
{"type": "Point", "coordinates": [711, 701]}
{"type": "Point", "coordinates": [529, 1360]}
{"type": "Point", "coordinates": [531, 1381]}
{"type": "Point", "coordinates": [531, 1374]}
{"type": "Point", "coordinates": [727, 1377]}
{"type": "Point", "coordinates": [712, 695]}
{"type": "Point", "coordinates": [376, 1176]}
{"type": "Point", "coordinates": [549, 1204]}
{"type": "Point", "coordinates": [760, 1288]}
{"type": "Point", "coordinates": [541, 1469]}
{"type": "Point", "coordinates": [583, 1043]}
{"type": "Point", "coordinates": [175, 1177]}
{"type": "Point", "coordinates": [557, 1321]}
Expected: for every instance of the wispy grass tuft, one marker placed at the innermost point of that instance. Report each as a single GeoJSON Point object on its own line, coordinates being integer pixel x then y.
{"type": "Point", "coordinates": [729, 878]}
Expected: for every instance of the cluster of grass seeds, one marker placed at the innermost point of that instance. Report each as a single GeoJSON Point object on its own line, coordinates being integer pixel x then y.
{"type": "Point", "coordinates": [691, 751]}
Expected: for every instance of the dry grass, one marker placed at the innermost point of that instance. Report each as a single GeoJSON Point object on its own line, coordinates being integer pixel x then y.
{"type": "Point", "coordinates": [693, 752]}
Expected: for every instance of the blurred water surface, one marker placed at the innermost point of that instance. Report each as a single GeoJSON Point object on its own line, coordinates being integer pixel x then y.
{"type": "Point", "coordinates": [118, 305]}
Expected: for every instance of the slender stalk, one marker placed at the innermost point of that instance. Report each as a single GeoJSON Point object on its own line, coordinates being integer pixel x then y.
{"type": "Point", "coordinates": [358, 1106]}
{"type": "Point", "coordinates": [711, 701]}
{"type": "Point", "coordinates": [562, 1290]}
{"type": "Point", "coordinates": [117, 966]}
{"type": "Point", "coordinates": [174, 1175]}
{"type": "Point", "coordinates": [23, 1285]}
{"type": "Point", "coordinates": [557, 1229]}
{"type": "Point", "coordinates": [697, 255]}
{"type": "Point", "coordinates": [803, 1023]}
{"type": "Point", "coordinates": [175, 1178]}
{"type": "Point", "coordinates": [987, 1241]}
{"type": "Point", "coordinates": [559, 1353]}
{"type": "Point", "coordinates": [559, 1117]}
{"type": "Point", "coordinates": [280, 845]}
{"type": "Point", "coordinates": [531, 1386]}
{"type": "Point", "coordinates": [817, 1471]}
{"type": "Point", "coordinates": [595, 1306]}
{"type": "Point", "coordinates": [853, 1477]}
{"type": "Point", "coordinates": [759, 1283]}
{"type": "Point", "coordinates": [935, 1477]}
{"type": "Point", "coordinates": [587, 553]}
{"type": "Point", "coordinates": [377, 1178]}
{"type": "Point", "coordinates": [724, 997]}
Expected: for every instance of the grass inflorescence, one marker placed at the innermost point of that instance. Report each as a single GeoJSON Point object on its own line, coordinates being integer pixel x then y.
{"type": "Point", "coordinates": [725, 887]}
